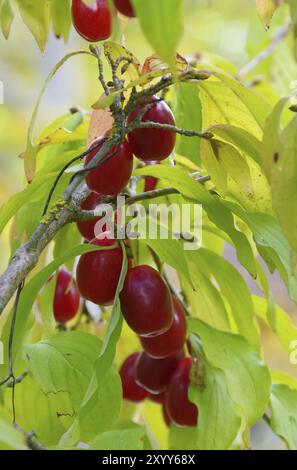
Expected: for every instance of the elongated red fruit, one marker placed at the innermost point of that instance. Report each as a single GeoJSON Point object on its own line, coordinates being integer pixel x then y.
{"type": "Point", "coordinates": [93, 22]}
{"type": "Point", "coordinates": [154, 374]}
{"type": "Point", "coordinates": [146, 301]}
{"type": "Point", "coordinates": [87, 228]}
{"type": "Point", "coordinates": [131, 390]}
{"type": "Point", "coordinates": [98, 272]}
{"type": "Point", "coordinates": [173, 339]}
{"type": "Point", "coordinates": [153, 144]}
{"type": "Point", "coordinates": [67, 298]}
{"type": "Point", "coordinates": [178, 406]}
{"type": "Point", "coordinates": [114, 175]}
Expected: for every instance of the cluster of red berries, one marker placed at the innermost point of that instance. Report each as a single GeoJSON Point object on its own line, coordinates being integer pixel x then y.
{"type": "Point", "coordinates": [161, 371]}
{"type": "Point", "coordinates": [94, 22]}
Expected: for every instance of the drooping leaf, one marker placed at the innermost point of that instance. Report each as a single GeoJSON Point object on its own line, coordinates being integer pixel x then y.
{"type": "Point", "coordinates": [6, 17]}
{"type": "Point", "coordinates": [36, 15]}
{"type": "Point", "coordinates": [194, 191]}
{"type": "Point", "coordinates": [284, 414]}
{"type": "Point", "coordinates": [188, 115]}
{"type": "Point", "coordinates": [61, 18]}
{"type": "Point", "coordinates": [124, 439]}
{"type": "Point", "coordinates": [248, 380]}
{"type": "Point", "coordinates": [161, 23]}
{"type": "Point", "coordinates": [69, 358]}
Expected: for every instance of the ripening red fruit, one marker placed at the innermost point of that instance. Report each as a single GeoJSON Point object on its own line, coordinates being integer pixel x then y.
{"type": "Point", "coordinates": [66, 299]}
{"type": "Point", "coordinates": [98, 273]}
{"type": "Point", "coordinates": [173, 339]}
{"type": "Point", "coordinates": [153, 144]}
{"type": "Point", "coordinates": [113, 176]}
{"type": "Point", "coordinates": [87, 228]}
{"type": "Point", "coordinates": [125, 7]}
{"type": "Point", "coordinates": [181, 411]}
{"type": "Point", "coordinates": [131, 390]}
{"type": "Point", "coordinates": [93, 22]}
{"type": "Point", "coordinates": [146, 301]}
{"type": "Point", "coordinates": [154, 374]}
{"type": "Point", "coordinates": [150, 183]}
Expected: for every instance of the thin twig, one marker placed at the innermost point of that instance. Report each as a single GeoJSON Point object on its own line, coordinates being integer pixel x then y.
{"type": "Point", "coordinates": [263, 55]}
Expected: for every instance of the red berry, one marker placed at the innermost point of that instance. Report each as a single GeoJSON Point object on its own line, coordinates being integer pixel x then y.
{"type": "Point", "coordinates": [166, 415]}
{"type": "Point", "coordinates": [173, 339]}
{"type": "Point", "coordinates": [66, 299]}
{"type": "Point", "coordinates": [113, 176]}
{"type": "Point", "coordinates": [150, 183]}
{"type": "Point", "coordinates": [153, 144]}
{"type": "Point", "coordinates": [179, 408]}
{"type": "Point", "coordinates": [131, 390]}
{"type": "Point", "coordinates": [125, 7]}
{"type": "Point", "coordinates": [98, 273]}
{"type": "Point", "coordinates": [92, 22]}
{"type": "Point", "coordinates": [146, 301]}
{"type": "Point", "coordinates": [87, 228]}
{"type": "Point", "coordinates": [154, 374]}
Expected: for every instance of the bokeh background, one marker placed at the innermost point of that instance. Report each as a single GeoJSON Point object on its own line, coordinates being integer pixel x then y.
{"type": "Point", "coordinates": [225, 32]}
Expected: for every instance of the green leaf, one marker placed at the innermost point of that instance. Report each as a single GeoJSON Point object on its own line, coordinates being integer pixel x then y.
{"type": "Point", "coordinates": [48, 415]}
{"type": "Point", "coordinates": [124, 439]}
{"type": "Point", "coordinates": [219, 422]}
{"type": "Point", "coordinates": [6, 17]}
{"type": "Point", "coordinates": [161, 24]}
{"type": "Point", "coordinates": [284, 414]}
{"type": "Point", "coordinates": [36, 15]}
{"type": "Point", "coordinates": [283, 179]}
{"type": "Point", "coordinates": [214, 207]}
{"type": "Point", "coordinates": [188, 115]}
{"type": "Point", "coordinates": [233, 288]}
{"type": "Point", "coordinates": [69, 358]}
{"type": "Point", "coordinates": [212, 164]}
{"type": "Point", "coordinates": [61, 18]}
{"type": "Point", "coordinates": [248, 380]}
{"type": "Point", "coordinates": [284, 328]}
{"type": "Point", "coordinates": [106, 406]}
{"type": "Point", "coordinates": [205, 301]}
{"type": "Point", "coordinates": [240, 138]}
{"type": "Point", "coordinates": [67, 236]}
{"type": "Point", "coordinates": [10, 438]}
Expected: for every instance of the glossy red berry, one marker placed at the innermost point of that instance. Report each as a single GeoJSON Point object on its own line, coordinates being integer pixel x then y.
{"type": "Point", "coordinates": [125, 7]}
{"type": "Point", "coordinates": [67, 298]}
{"type": "Point", "coordinates": [93, 22]}
{"type": "Point", "coordinates": [131, 390]}
{"type": "Point", "coordinates": [173, 339]}
{"type": "Point", "coordinates": [181, 411]}
{"type": "Point", "coordinates": [113, 176]}
{"type": "Point", "coordinates": [153, 144]}
{"type": "Point", "coordinates": [98, 272]}
{"type": "Point", "coordinates": [87, 228]}
{"type": "Point", "coordinates": [150, 183]}
{"type": "Point", "coordinates": [146, 301]}
{"type": "Point", "coordinates": [154, 374]}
